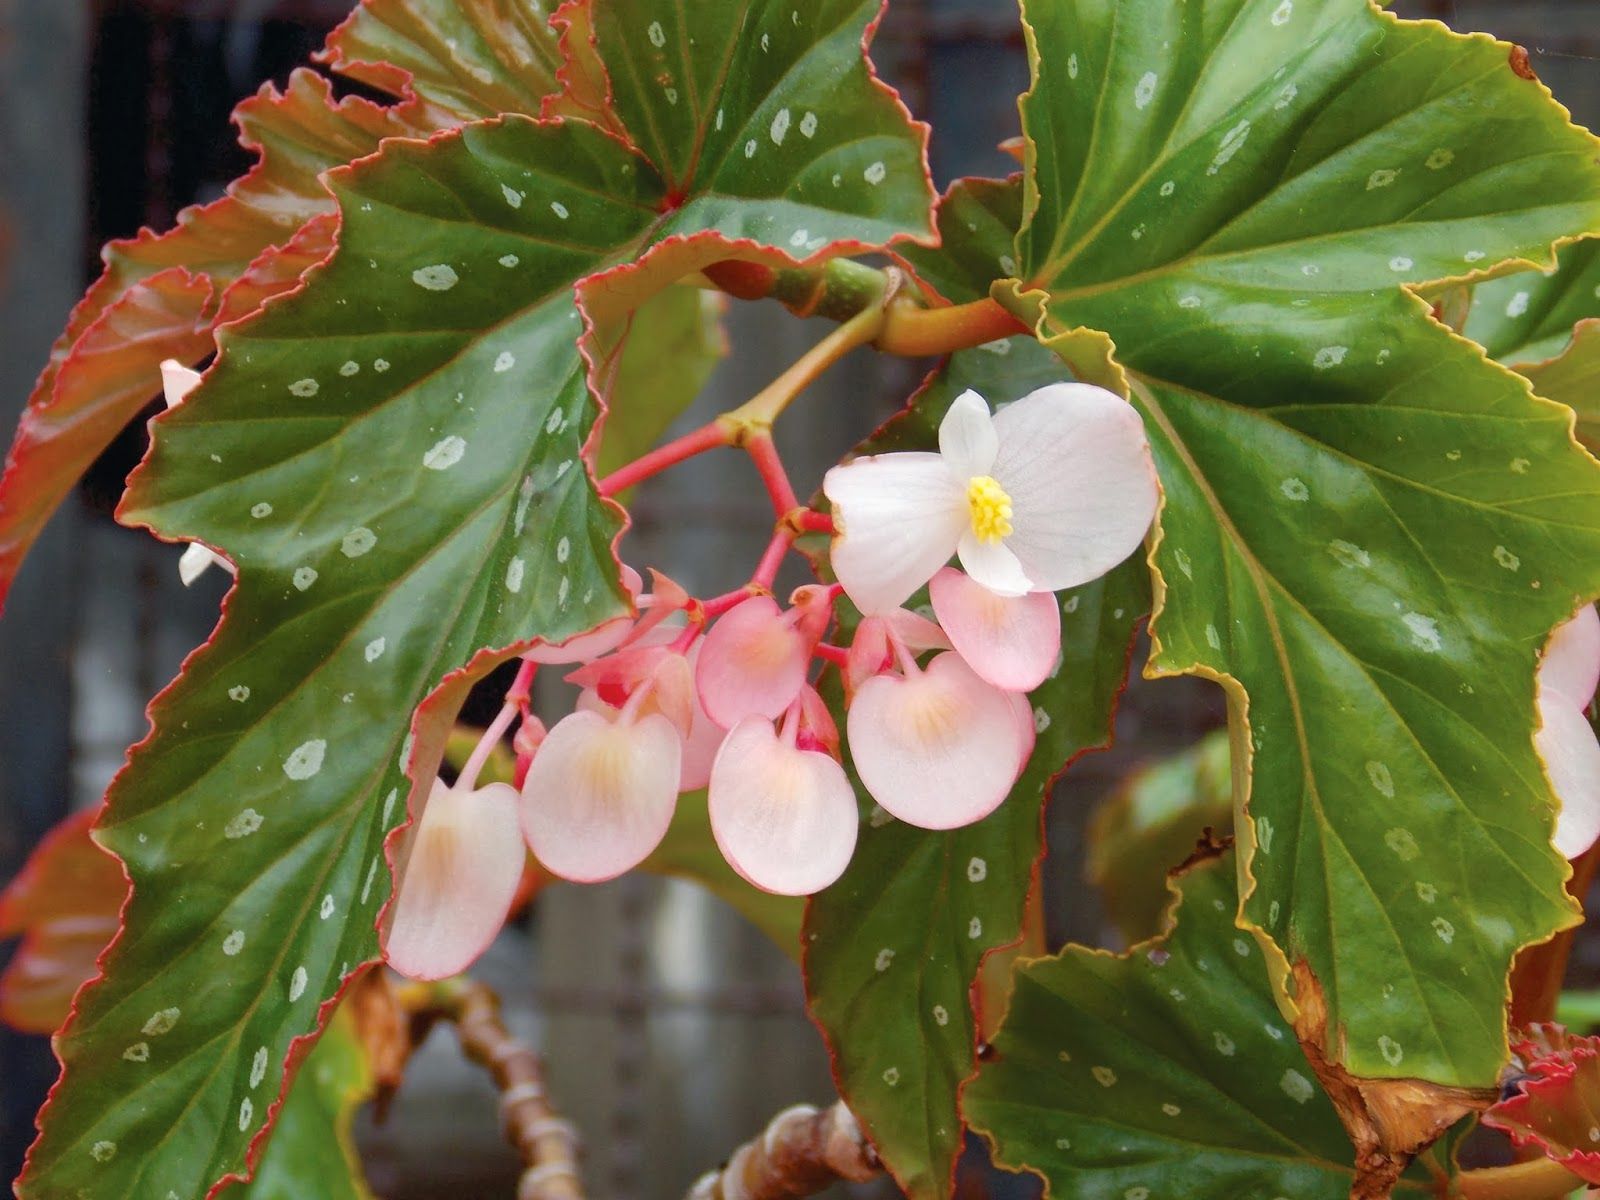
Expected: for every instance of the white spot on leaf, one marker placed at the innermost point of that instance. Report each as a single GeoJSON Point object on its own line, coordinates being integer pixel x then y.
{"type": "Point", "coordinates": [440, 277]}
{"type": "Point", "coordinates": [233, 943]}
{"type": "Point", "coordinates": [375, 648]}
{"type": "Point", "coordinates": [243, 825]}
{"type": "Point", "coordinates": [303, 387]}
{"type": "Point", "coordinates": [305, 760]}
{"type": "Point", "coordinates": [445, 453]}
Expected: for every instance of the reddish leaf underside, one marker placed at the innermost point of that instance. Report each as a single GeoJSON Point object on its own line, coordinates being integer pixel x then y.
{"type": "Point", "coordinates": [1556, 1108]}
{"type": "Point", "coordinates": [64, 906]}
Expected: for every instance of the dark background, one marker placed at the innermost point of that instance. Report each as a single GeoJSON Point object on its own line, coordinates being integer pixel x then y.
{"type": "Point", "coordinates": [672, 1031]}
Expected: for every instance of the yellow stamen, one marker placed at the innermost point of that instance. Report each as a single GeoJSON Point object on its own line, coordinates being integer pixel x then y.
{"type": "Point", "coordinates": [990, 508]}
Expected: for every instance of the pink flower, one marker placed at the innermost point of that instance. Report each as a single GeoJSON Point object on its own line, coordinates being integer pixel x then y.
{"type": "Point", "coordinates": [601, 790]}
{"type": "Point", "coordinates": [784, 815]}
{"type": "Point", "coordinates": [457, 880]}
{"type": "Point", "coordinates": [1010, 641]}
{"type": "Point", "coordinates": [938, 747]}
{"type": "Point", "coordinates": [1050, 492]}
{"type": "Point", "coordinates": [1566, 741]}
{"type": "Point", "coordinates": [753, 662]}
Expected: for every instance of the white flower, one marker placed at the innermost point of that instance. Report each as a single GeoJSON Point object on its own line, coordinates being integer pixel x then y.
{"type": "Point", "coordinates": [1050, 492]}
{"type": "Point", "coordinates": [1566, 741]}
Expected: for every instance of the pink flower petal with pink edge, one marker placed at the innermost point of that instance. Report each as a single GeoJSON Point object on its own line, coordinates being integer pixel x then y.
{"type": "Point", "coordinates": [1075, 462]}
{"type": "Point", "coordinates": [600, 794]}
{"type": "Point", "coordinates": [939, 749]}
{"type": "Point", "coordinates": [1566, 743]}
{"type": "Point", "coordinates": [784, 818]}
{"type": "Point", "coordinates": [899, 517]}
{"type": "Point", "coordinates": [456, 886]}
{"type": "Point", "coordinates": [752, 663]}
{"type": "Point", "coordinates": [817, 730]}
{"type": "Point", "coordinates": [870, 651]}
{"type": "Point", "coordinates": [699, 750]}
{"type": "Point", "coordinates": [1010, 641]}
{"type": "Point", "coordinates": [1570, 667]}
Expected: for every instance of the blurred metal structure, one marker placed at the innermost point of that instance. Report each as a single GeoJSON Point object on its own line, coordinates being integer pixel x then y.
{"type": "Point", "coordinates": [673, 1030]}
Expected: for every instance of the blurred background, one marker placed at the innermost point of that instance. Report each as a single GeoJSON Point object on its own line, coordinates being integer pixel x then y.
{"type": "Point", "coordinates": [672, 1030]}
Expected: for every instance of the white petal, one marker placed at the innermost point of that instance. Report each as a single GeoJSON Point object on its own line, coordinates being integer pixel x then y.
{"type": "Point", "coordinates": [458, 881]}
{"type": "Point", "coordinates": [784, 818]}
{"type": "Point", "coordinates": [939, 749]}
{"type": "Point", "coordinates": [899, 518]}
{"type": "Point", "coordinates": [1075, 462]}
{"type": "Point", "coordinates": [1010, 641]}
{"type": "Point", "coordinates": [177, 381]}
{"type": "Point", "coordinates": [993, 565]}
{"type": "Point", "coordinates": [1571, 757]}
{"type": "Point", "coordinates": [196, 558]}
{"type": "Point", "coordinates": [1571, 664]}
{"type": "Point", "coordinates": [967, 438]}
{"type": "Point", "coordinates": [599, 795]}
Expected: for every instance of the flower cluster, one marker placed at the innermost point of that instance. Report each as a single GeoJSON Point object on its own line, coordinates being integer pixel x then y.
{"type": "Point", "coordinates": [1049, 493]}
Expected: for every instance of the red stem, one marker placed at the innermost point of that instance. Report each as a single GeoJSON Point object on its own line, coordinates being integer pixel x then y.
{"type": "Point", "coordinates": [809, 520]}
{"type": "Point", "coordinates": [767, 569]}
{"type": "Point", "coordinates": [765, 456]}
{"type": "Point", "coordinates": [837, 655]}
{"type": "Point", "coordinates": [717, 605]}
{"type": "Point", "coordinates": [707, 437]}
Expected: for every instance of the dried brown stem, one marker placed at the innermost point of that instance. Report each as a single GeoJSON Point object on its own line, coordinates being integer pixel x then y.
{"type": "Point", "coordinates": [548, 1145]}
{"type": "Point", "coordinates": [800, 1152]}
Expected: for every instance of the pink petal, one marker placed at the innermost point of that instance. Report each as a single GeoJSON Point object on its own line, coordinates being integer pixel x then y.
{"type": "Point", "coordinates": [939, 749]}
{"type": "Point", "coordinates": [1571, 663]}
{"type": "Point", "coordinates": [784, 818]}
{"type": "Point", "coordinates": [899, 517]}
{"type": "Point", "coordinates": [1010, 641]}
{"type": "Point", "coordinates": [600, 794]}
{"type": "Point", "coordinates": [1571, 755]}
{"type": "Point", "coordinates": [816, 730]}
{"type": "Point", "coordinates": [993, 565]}
{"type": "Point", "coordinates": [177, 381]}
{"type": "Point", "coordinates": [585, 646]}
{"type": "Point", "coordinates": [1075, 462]}
{"type": "Point", "coordinates": [967, 437]}
{"type": "Point", "coordinates": [871, 651]}
{"type": "Point", "coordinates": [699, 750]}
{"type": "Point", "coordinates": [753, 663]}
{"type": "Point", "coordinates": [458, 881]}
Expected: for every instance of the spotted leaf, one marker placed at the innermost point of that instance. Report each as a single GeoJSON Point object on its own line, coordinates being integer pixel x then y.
{"type": "Point", "coordinates": [1165, 1072]}
{"type": "Point", "coordinates": [393, 456]}
{"type": "Point", "coordinates": [1368, 529]}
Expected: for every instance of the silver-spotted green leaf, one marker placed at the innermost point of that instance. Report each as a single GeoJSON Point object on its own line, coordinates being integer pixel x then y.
{"type": "Point", "coordinates": [392, 456]}
{"type": "Point", "coordinates": [1166, 1072]}
{"type": "Point", "coordinates": [1368, 529]}
{"type": "Point", "coordinates": [1528, 317]}
{"type": "Point", "coordinates": [311, 1151]}
{"type": "Point", "coordinates": [892, 950]}
{"type": "Point", "coordinates": [1546, 327]}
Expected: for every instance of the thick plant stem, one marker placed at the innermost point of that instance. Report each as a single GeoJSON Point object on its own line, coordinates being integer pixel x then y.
{"type": "Point", "coordinates": [548, 1145]}
{"type": "Point", "coordinates": [761, 410]}
{"type": "Point", "coordinates": [1541, 1179]}
{"type": "Point", "coordinates": [773, 476]}
{"type": "Point", "coordinates": [843, 289]}
{"type": "Point", "coordinates": [801, 1152]}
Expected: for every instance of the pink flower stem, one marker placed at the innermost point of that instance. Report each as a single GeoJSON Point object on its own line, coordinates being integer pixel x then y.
{"type": "Point", "coordinates": [762, 452]}
{"type": "Point", "coordinates": [717, 605]}
{"type": "Point", "coordinates": [837, 655]}
{"type": "Point", "coordinates": [707, 437]}
{"type": "Point", "coordinates": [491, 738]}
{"type": "Point", "coordinates": [809, 520]}
{"type": "Point", "coordinates": [767, 569]}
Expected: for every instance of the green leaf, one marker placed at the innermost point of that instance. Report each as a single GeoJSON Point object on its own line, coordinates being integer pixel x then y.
{"type": "Point", "coordinates": [1528, 318]}
{"type": "Point", "coordinates": [1368, 531]}
{"type": "Point", "coordinates": [892, 949]}
{"type": "Point", "coordinates": [690, 852]}
{"type": "Point", "coordinates": [1151, 824]}
{"type": "Point", "coordinates": [392, 456]}
{"type": "Point", "coordinates": [311, 1151]}
{"type": "Point", "coordinates": [1165, 1072]}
